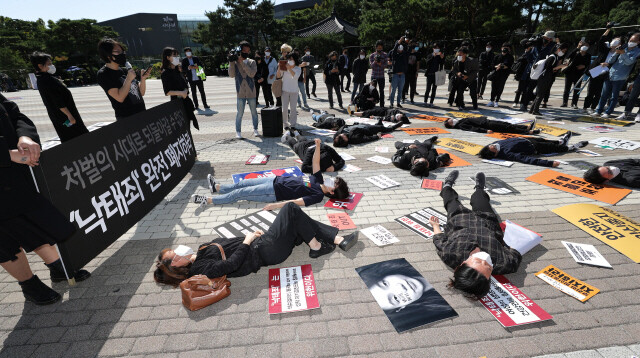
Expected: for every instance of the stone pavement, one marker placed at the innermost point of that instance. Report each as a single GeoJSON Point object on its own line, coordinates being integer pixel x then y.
{"type": "Point", "coordinates": [120, 311]}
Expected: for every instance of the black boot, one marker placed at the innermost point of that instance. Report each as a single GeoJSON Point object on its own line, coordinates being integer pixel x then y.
{"type": "Point", "coordinates": [37, 292]}
{"type": "Point", "coordinates": [451, 178]}
{"type": "Point", "coordinates": [324, 249]}
{"type": "Point", "coordinates": [480, 180]}
{"type": "Point", "coordinates": [57, 272]}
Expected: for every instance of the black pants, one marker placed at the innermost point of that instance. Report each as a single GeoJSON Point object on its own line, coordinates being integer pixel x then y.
{"type": "Point", "coordinates": [482, 81]}
{"type": "Point", "coordinates": [336, 88]}
{"type": "Point", "coordinates": [504, 127]}
{"type": "Point", "coordinates": [381, 128]}
{"type": "Point", "coordinates": [200, 86]}
{"type": "Point", "coordinates": [527, 95]}
{"type": "Point", "coordinates": [569, 83]}
{"type": "Point", "coordinates": [522, 88]}
{"type": "Point", "coordinates": [312, 77]}
{"type": "Point", "coordinates": [431, 86]}
{"type": "Point", "coordinates": [291, 228]}
{"type": "Point", "coordinates": [266, 92]}
{"type": "Point", "coordinates": [410, 83]}
{"type": "Point", "coordinates": [548, 93]}
{"type": "Point", "coordinates": [497, 87]}
{"type": "Point", "coordinates": [457, 92]}
{"type": "Point", "coordinates": [479, 200]}
{"type": "Point", "coordinates": [545, 146]}
{"type": "Point", "coordinates": [542, 94]}
{"type": "Point", "coordinates": [380, 82]}
{"type": "Point", "coordinates": [594, 89]}
{"type": "Point", "coordinates": [343, 74]}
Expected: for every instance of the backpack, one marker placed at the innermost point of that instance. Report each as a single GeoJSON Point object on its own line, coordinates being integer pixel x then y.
{"type": "Point", "coordinates": [537, 70]}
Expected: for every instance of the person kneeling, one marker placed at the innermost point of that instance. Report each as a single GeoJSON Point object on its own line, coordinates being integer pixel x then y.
{"type": "Point", "coordinates": [330, 160]}
{"type": "Point", "coordinates": [419, 158]}
{"type": "Point", "coordinates": [368, 97]}
{"type": "Point", "coordinates": [622, 171]}
{"type": "Point", "coordinates": [473, 243]}
{"type": "Point", "coordinates": [291, 228]}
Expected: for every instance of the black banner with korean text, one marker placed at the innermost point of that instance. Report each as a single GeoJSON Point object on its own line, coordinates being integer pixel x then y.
{"type": "Point", "coordinates": [107, 180]}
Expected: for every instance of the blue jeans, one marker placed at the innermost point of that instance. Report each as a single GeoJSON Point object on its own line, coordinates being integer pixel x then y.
{"type": "Point", "coordinates": [357, 87]}
{"type": "Point", "coordinates": [302, 94]}
{"type": "Point", "coordinates": [397, 83]}
{"type": "Point", "coordinates": [254, 113]}
{"type": "Point", "coordinates": [635, 92]}
{"type": "Point", "coordinates": [260, 189]}
{"type": "Point", "coordinates": [610, 90]}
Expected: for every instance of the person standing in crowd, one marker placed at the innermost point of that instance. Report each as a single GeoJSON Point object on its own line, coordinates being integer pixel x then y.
{"type": "Point", "coordinates": [308, 72]}
{"type": "Point", "coordinates": [503, 63]}
{"type": "Point", "coordinates": [285, 49]}
{"type": "Point", "coordinates": [378, 62]}
{"type": "Point", "coordinates": [542, 47]}
{"type": "Point", "coordinates": [473, 242]}
{"type": "Point", "coordinates": [368, 97]}
{"type": "Point", "coordinates": [332, 78]}
{"type": "Point", "coordinates": [243, 70]}
{"type": "Point", "coordinates": [174, 84]}
{"type": "Point", "coordinates": [631, 101]}
{"type": "Point", "coordinates": [521, 149]}
{"type": "Point", "coordinates": [261, 81]}
{"type": "Point", "coordinates": [487, 64]}
{"type": "Point", "coordinates": [290, 95]}
{"type": "Point", "coordinates": [435, 63]}
{"type": "Point", "coordinates": [28, 221]}
{"type": "Point", "coordinates": [121, 86]}
{"type": "Point", "coordinates": [272, 65]}
{"type": "Point", "coordinates": [545, 81]}
{"type": "Point", "coordinates": [57, 99]}
{"type": "Point", "coordinates": [594, 88]}
{"type": "Point", "coordinates": [620, 66]}
{"type": "Point", "coordinates": [190, 66]}
{"type": "Point", "coordinates": [413, 67]}
{"type": "Point", "coordinates": [464, 74]}
{"type": "Point", "coordinates": [578, 59]}
{"type": "Point", "coordinates": [360, 69]}
{"type": "Point", "coordinates": [399, 59]}
{"type": "Point", "coordinates": [345, 70]}
{"type": "Point", "coordinates": [523, 72]}
{"type": "Point", "coordinates": [303, 65]}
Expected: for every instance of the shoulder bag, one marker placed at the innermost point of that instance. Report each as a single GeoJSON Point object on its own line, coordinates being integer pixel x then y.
{"type": "Point", "coordinates": [199, 291]}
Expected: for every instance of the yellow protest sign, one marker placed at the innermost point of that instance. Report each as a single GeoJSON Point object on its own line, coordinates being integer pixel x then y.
{"type": "Point", "coordinates": [425, 117]}
{"type": "Point", "coordinates": [461, 145]}
{"type": "Point", "coordinates": [556, 131]}
{"type": "Point", "coordinates": [464, 115]}
{"type": "Point", "coordinates": [606, 225]}
{"type": "Point", "coordinates": [614, 122]}
{"type": "Point", "coordinates": [573, 287]}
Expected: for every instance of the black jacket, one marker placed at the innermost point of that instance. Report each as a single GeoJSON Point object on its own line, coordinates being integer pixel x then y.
{"type": "Point", "coordinates": [185, 68]}
{"type": "Point", "coordinates": [262, 72]}
{"type": "Point", "coordinates": [360, 69]}
{"type": "Point", "coordinates": [329, 121]}
{"type": "Point", "coordinates": [503, 73]}
{"type": "Point", "coordinates": [433, 64]}
{"type": "Point", "coordinates": [547, 77]}
{"type": "Point", "coordinates": [362, 100]}
{"type": "Point", "coordinates": [342, 60]}
{"type": "Point", "coordinates": [629, 172]}
{"type": "Point", "coordinates": [56, 95]}
{"type": "Point", "coordinates": [403, 158]}
{"type": "Point", "coordinates": [470, 69]}
{"type": "Point", "coordinates": [576, 59]}
{"type": "Point", "coordinates": [332, 78]}
{"type": "Point", "coordinates": [328, 156]}
{"type": "Point", "coordinates": [487, 61]}
{"type": "Point", "coordinates": [399, 60]}
{"type": "Point", "coordinates": [360, 133]}
{"type": "Point", "coordinates": [242, 259]}
{"type": "Point", "coordinates": [603, 51]}
{"type": "Point", "coordinates": [472, 124]}
{"type": "Point", "coordinates": [520, 150]}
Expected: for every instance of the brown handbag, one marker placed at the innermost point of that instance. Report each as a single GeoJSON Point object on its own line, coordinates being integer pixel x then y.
{"type": "Point", "coordinates": [276, 87]}
{"type": "Point", "coordinates": [199, 291]}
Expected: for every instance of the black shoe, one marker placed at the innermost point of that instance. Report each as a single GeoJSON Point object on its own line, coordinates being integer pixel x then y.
{"type": "Point", "coordinates": [324, 249]}
{"type": "Point", "coordinates": [563, 105]}
{"type": "Point", "coordinates": [399, 145]}
{"type": "Point", "coordinates": [308, 97]}
{"type": "Point", "coordinates": [480, 180]}
{"type": "Point", "coordinates": [532, 126]}
{"type": "Point", "coordinates": [314, 95]}
{"type": "Point", "coordinates": [391, 105]}
{"type": "Point", "coordinates": [536, 113]}
{"type": "Point", "coordinates": [451, 178]}
{"type": "Point", "coordinates": [349, 241]}
{"type": "Point", "coordinates": [37, 292]}
{"type": "Point", "coordinates": [331, 106]}
{"type": "Point", "coordinates": [564, 140]}
{"type": "Point", "coordinates": [399, 105]}
{"type": "Point", "coordinates": [475, 107]}
{"type": "Point", "coordinates": [536, 131]}
{"type": "Point", "coordinates": [57, 273]}
{"type": "Point", "coordinates": [340, 105]}
{"type": "Point", "coordinates": [206, 106]}
{"type": "Point", "coordinates": [544, 105]}
{"type": "Point", "coordinates": [432, 139]}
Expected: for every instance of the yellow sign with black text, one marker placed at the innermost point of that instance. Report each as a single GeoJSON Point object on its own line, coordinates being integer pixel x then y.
{"type": "Point", "coordinates": [613, 122]}
{"type": "Point", "coordinates": [551, 130]}
{"type": "Point", "coordinates": [460, 145]}
{"type": "Point", "coordinates": [573, 287]}
{"type": "Point", "coordinates": [464, 115]}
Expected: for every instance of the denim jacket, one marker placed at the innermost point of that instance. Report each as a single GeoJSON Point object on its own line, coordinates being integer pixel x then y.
{"type": "Point", "coordinates": [621, 68]}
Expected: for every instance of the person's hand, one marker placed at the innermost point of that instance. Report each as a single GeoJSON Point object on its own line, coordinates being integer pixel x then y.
{"type": "Point", "coordinates": [465, 77]}
{"type": "Point", "coordinates": [71, 120]}
{"type": "Point", "coordinates": [459, 74]}
{"type": "Point", "coordinates": [252, 236]}
{"type": "Point", "coordinates": [16, 157]}
{"type": "Point", "coordinates": [270, 207]}
{"type": "Point", "coordinates": [184, 94]}
{"type": "Point", "coordinates": [330, 169]}
{"type": "Point", "coordinates": [604, 64]}
{"type": "Point", "coordinates": [131, 74]}
{"type": "Point", "coordinates": [556, 163]}
{"type": "Point", "coordinates": [146, 74]}
{"type": "Point", "coordinates": [441, 55]}
{"type": "Point", "coordinates": [318, 142]}
{"type": "Point", "coordinates": [27, 144]}
{"type": "Point", "coordinates": [489, 131]}
{"type": "Point", "coordinates": [620, 52]}
{"type": "Point", "coordinates": [497, 67]}
{"type": "Point", "coordinates": [413, 146]}
{"type": "Point", "coordinates": [379, 134]}
{"type": "Point", "coordinates": [271, 77]}
{"type": "Point", "coordinates": [435, 223]}
{"type": "Point", "coordinates": [260, 80]}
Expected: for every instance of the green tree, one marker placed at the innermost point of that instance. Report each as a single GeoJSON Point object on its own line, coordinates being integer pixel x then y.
{"type": "Point", "coordinates": [76, 39]}
{"type": "Point", "coordinates": [20, 38]}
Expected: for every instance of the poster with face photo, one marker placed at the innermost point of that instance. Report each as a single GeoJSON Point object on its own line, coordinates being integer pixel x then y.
{"type": "Point", "coordinates": [407, 298]}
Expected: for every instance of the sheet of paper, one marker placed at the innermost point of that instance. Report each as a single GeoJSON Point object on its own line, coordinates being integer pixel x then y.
{"type": "Point", "coordinates": [383, 181]}
{"type": "Point", "coordinates": [379, 235]}
{"type": "Point", "coordinates": [382, 149]}
{"type": "Point", "coordinates": [504, 163]}
{"type": "Point", "coordinates": [351, 168]}
{"type": "Point", "coordinates": [379, 159]}
{"type": "Point", "coordinates": [597, 71]}
{"type": "Point", "coordinates": [346, 156]}
{"type": "Point", "coordinates": [586, 254]}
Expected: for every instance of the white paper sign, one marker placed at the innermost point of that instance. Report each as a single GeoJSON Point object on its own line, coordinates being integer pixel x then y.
{"type": "Point", "coordinates": [504, 163]}
{"type": "Point", "coordinates": [379, 159]}
{"type": "Point", "coordinates": [351, 168]}
{"type": "Point", "coordinates": [586, 254]}
{"type": "Point", "coordinates": [383, 181]}
{"type": "Point", "coordinates": [519, 238]}
{"type": "Point", "coordinates": [588, 153]}
{"type": "Point", "coordinates": [513, 120]}
{"type": "Point", "coordinates": [346, 156]}
{"type": "Point", "coordinates": [379, 235]}
{"type": "Point", "coordinates": [325, 132]}
{"type": "Point", "coordinates": [382, 149]}
{"type": "Point", "coordinates": [597, 71]}
{"type": "Point", "coordinates": [615, 143]}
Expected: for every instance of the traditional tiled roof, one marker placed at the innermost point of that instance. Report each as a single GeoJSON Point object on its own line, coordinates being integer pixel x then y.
{"type": "Point", "coordinates": [331, 25]}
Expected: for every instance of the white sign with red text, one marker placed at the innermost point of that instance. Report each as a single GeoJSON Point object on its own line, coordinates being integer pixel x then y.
{"type": "Point", "coordinates": [292, 289]}
{"type": "Point", "coordinates": [510, 306]}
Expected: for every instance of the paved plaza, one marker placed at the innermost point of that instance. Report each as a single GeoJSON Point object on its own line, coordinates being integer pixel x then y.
{"type": "Point", "coordinates": [121, 311]}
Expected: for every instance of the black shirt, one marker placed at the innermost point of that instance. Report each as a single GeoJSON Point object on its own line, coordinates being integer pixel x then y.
{"type": "Point", "coordinates": [328, 156]}
{"type": "Point", "coordinates": [242, 259]}
{"type": "Point", "coordinates": [133, 103]}
{"type": "Point", "coordinates": [412, 62]}
{"type": "Point", "coordinates": [56, 95]}
{"type": "Point", "coordinates": [172, 80]}
{"type": "Point", "coordinates": [305, 187]}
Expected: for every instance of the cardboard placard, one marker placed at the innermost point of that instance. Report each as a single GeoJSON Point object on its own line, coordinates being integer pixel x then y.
{"type": "Point", "coordinates": [283, 172]}
{"type": "Point", "coordinates": [383, 181]}
{"type": "Point", "coordinates": [460, 145]}
{"type": "Point", "coordinates": [347, 204]}
{"type": "Point", "coordinates": [606, 225]}
{"type": "Point", "coordinates": [504, 163]}
{"type": "Point", "coordinates": [573, 287]}
{"type": "Point", "coordinates": [351, 168]}
{"type": "Point", "coordinates": [586, 254]}
{"type": "Point", "coordinates": [615, 143]}
{"type": "Point", "coordinates": [505, 135]}
{"type": "Point", "coordinates": [613, 122]}
{"type": "Point", "coordinates": [464, 115]}
{"type": "Point", "coordinates": [342, 221]}
{"type": "Point", "coordinates": [510, 306]}
{"type": "Point", "coordinates": [431, 184]}
{"type": "Point", "coordinates": [379, 235]}
{"type": "Point", "coordinates": [574, 185]}
{"type": "Point", "coordinates": [455, 160]}
{"type": "Point", "coordinates": [603, 129]}
{"type": "Point", "coordinates": [424, 131]}
{"type": "Point", "coordinates": [258, 159]}
{"type": "Point", "coordinates": [551, 130]}
{"type": "Point", "coordinates": [418, 222]}
{"type": "Point", "coordinates": [425, 117]}
{"type": "Point", "coordinates": [379, 159]}
{"type": "Point", "coordinates": [245, 225]}
{"type": "Point", "coordinates": [292, 289]}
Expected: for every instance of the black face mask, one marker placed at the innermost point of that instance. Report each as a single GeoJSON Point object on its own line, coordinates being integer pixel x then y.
{"type": "Point", "coordinates": [120, 59]}
{"type": "Point", "coordinates": [244, 55]}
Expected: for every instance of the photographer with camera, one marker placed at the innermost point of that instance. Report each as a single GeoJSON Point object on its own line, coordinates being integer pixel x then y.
{"type": "Point", "coordinates": [464, 74]}
{"type": "Point", "coordinates": [378, 62]}
{"type": "Point", "coordinates": [620, 65]}
{"type": "Point", "coordinates": [243, 69]}
{"type": "Point", "coordinates": [543, 46]}
{"type": "Point", "coordinates": [551, 64]}
{"type": "Point", "coordinates": [594, 89]}
{"type": "Point", "coordinates": [399, 58]}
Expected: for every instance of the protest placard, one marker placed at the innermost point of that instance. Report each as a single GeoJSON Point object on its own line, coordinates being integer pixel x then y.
{"type": "Point", "coordinates": [505, 135]}
{"type": "Point", "coordinates": [586, 254]}
{"type": "Point", "coordinates": [460, 145]}
{"type": "Point", "coordinates": [431, 184]}
{"type": "Point", "coordinates": [496, 185]}
{"type": "Point", "coordinates": [245, 225]}
{"type": "Point", "coordinates": [573, 287]}
{"type": "Point", "coordinates": [323, 132]}
{"type": "Point", "coordinates": [382, 149]}
{"type": "Point", "coordinates": [383, 181]}
{"type": "Point", "coordinates": [379, 235]}
{"type": "Point", "coordinates": [613, 122]}
{"type": "Point", "coordinates": [588, 153]}
{"type": "Point", "coordinates": [455, 160]}
{"type": "Point", "coordinates": [283, 172]}
{"type": "Point", "coordinates": [346, 204]}
{"type": "Point", "coordinates": [387, 135]}
{"type": "Point", "coordinates": [292, 289]}
{"type": "Point", "coordinates": [351, 168]}
{"type": "Point", "coordinates": [574, 185]}
{"type": "Point", "coordinates": [464, 115]}
{"type": "Point", "coordinates": [346, 156]}
{"type": "Point", "coordinates": [425, 117]}
{"type": "Point", "coordinates": [424, 131]}
{"type": "Point", "coordinates": [418, 222]}
{"type": "Point", "coordinates": [615, 143]}
{"type": "Point", "coordinates": [510, 306]}
{"type": "Point", "coordinates": [606, 225]}
{"type": "Point", "coordinates": [555, 131]}
{"type": "Point", "coordinates": [379, 159]}
{"type": "Point", "coordinates": [603, 129]}
{"type": "Point", "coordinates": [258, 159]}
{"type": "Point", "coordinates": [513, 120]}
{"type": "Point", "coordinates": [504, 163]}
{"type": "Point", "coordinates": [342, 221]}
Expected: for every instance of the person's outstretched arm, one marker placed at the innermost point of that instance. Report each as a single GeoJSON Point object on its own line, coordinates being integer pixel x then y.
{"type": "Point", "coordinates": [315, 161]}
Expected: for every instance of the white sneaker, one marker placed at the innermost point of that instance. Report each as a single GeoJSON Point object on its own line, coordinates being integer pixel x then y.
{"type": "Point", "coordinates": [637, 118]}
{"type": "Point", "coordinates": [296, 134]}
{"type": "Point", "coordinates": [516, 105]}
{"type": "Point", "coordinates": [589, 111]}
{"type": "Point", "coordinates": [255, 133]}
{"type": "Point", "coordinates": [495, 104]}
{"type": "Point", "coordinates": [604, 115]}
{"type": "Point", "coordinates": [490, 104]}
{"type": "Point", "coordinates": [285, 136]}
{"type": "Point", "coordinates": [239, 135]}
{"type": "Point", "coordinates": [622, 116]}
{"type": "Point", "coordinates": [199, 199]}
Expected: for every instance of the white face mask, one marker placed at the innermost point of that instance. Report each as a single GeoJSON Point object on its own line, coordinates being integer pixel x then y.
{"type": "Point", "coordinates": [488, 49]}
{"type": "Point", "coordinates": [436, 51]}
{"type": "Point", "coordinates": [459, 58]}
{"type": "Point", "coordinates": [188, 53]}
{"type": "Point", "coordinates": [631, 44]}
{"type": "Point", "coordinates": [455, 121]}
{"type": "Point", "coordinates": [615, 43]}
{"type": "Point", "coordinates": [329, 182]}
{"type": "Point", "coordinates": [560, 53]}
{"type": "Point", "coordinates": [362, 57]}
{"type": "Point", "coordinates": [308, 53]}
{"type": "Point", "coordinates": [400, 48]}
{"type": "Point", "coordinates": [267, 54]}
{"type": "Point", "coordinates": [497, 146]}
{"type": "Point", "coordinates": [483, 256]}
{"type": "Point", "coordinates": [291, 63]}
{"type": "Point", "coordinates": [175, 60]}
{"type": "Point", "coordinates": [584, 48]}
{"type": "Point", "coordinates": [399, 116]}
{"type": "Point", "coordinates": [183, 250]}
{"type": "Point", "coordinates": [615, 171]}
{"type": "Point", "coordinates": [372, 87]}
{"type": "Point", "coordinates": [52, 69]}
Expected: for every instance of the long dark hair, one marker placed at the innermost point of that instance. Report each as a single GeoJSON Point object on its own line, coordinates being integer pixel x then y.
{"type": "Point", "coordinates": [471, 282]}
{"type": "Point", "coordinates": [340, 190]}
{"type": "Point", "coordinates": [166, 52]}
{"type": "Point", "coordinates": [167, 274]}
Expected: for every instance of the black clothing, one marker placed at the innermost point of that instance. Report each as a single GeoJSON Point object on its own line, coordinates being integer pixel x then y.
{"type": "Point", "coordinates": [360, 69]}
{"type": "Point", "coordinates": [336, 88]}
{"type": "Point", "coordinates": [133, 103]}
{"type": "Point", "coordinates": [467, 68]}
{"type": "Point", "coordinates": [501, 75]}
{"type": "Point", "coordinates": [487, 61]}
{"type": "Point", "coordinates": [329, 121]}
{"type": "Point", "coordinates": [482, 125]}
{"type": "Point", "coordinates": [404, 156]}
{"type": "Point", "coordinates": [629, 172]}
{"type": "Point", "coordinates": [399, 60]}
{"type": "Point", "coordinates": [200, 86]}
{"type": "Point", "coordinates": [194, 81]}
{"type": "Point", "coordinates": [594, 90]}
{"type": "Point", "coordinates": [241, 259]}
{"type": "Point", "coordinates": [345, 71]}
{"type": "Point", "coordinates": [263, 73]}
{"type": "Point", "coordinates": [387, 114]}
{"type": "Point", "coordinates": [310, 74]}
{"type": "Point", "coordinates": [305, 149]}
{"type": "Point", "coordinates": [332, 80]}
{"type": "Point", "coordinates": [305, 187]}
{"type": "Point", "coordinates": [522, 150]}
{"type": "Point", "coordinates": [572, 74]}
{"type": "Point", "coordinates": [544, 82]}
{"type": "Point", "coordinates": [172, 80]}
{"type": "Point", "coordinates": [467, 229]}
{"type": "Point", "coordinates": [381, 85]}
{"type": "Point", "coordinates": [362, 100]}
{"type": "Point", "coordinates": [363, 133]}
{"type": "Point", "coordinates": [434, 63]}
{"type": "Point", "coordinates": [56, 95]}
{"type": "Point", "coordinates": [411, 79]}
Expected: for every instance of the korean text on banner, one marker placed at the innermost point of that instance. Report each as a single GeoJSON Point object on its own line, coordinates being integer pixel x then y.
{"type": "Point", "coordinates": [425, 131]}
{"type": "Point", "coordinates": [292, 289]}
{"type": "Point", "coordinates": [425, 117]}
{"type": "Point", "coordinates": [347, 204]}
{"type": "Point", "coordinates": [510, 306]}
{"type": "Point", "coordinates": [460, 145]}
{"type": "Point", "coordinates": [573, 287]}
{"type": "Point", "coordinates": [342, 221]}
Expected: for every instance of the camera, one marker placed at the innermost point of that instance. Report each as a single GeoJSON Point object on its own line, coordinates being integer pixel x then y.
{"type": "Point", "coordinates": [378, 58]}
{"type": "Point", "coordinates": [232, 56]}
{"type": "Point", "coordinates": [610, 24]}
